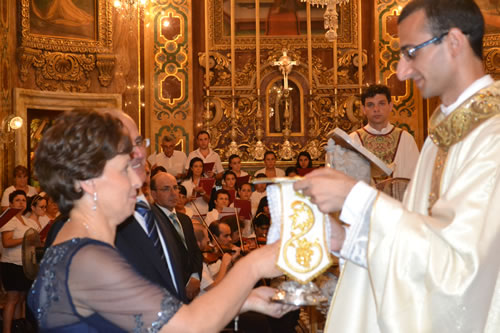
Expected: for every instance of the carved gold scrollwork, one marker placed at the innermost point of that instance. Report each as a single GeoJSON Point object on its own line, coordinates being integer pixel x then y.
{"type": "Point", "coordinates": [63, 71]}
{"type": "Point", "coordinates": [492, 62]}
{"type": "Point", "coordinates": [105, 65]}
{"type": "Point", "coordinates": [26, 57]}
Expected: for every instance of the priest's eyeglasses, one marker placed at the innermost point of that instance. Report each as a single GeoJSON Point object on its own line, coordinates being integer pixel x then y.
{"type": "Point", "coordinates": [410, 52]}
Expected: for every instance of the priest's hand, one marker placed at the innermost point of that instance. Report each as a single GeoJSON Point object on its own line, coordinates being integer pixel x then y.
{"type": "Point", "coordinates": [327, 188]}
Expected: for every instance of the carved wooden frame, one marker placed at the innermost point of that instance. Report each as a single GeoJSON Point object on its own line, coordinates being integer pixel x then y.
{"type": "Point", "coordinates": [102, 44]}
{"type": "Point", "coordinates": [25, 99]}
{"type": "Point", "coordinates": [348, 32]}
{"type": "Point", "coordinates": [48, 53]}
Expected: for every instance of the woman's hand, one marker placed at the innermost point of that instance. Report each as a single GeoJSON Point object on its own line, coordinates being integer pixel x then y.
{"type": "Point", "coordinates": [263, 261]}
{"type": "Point", "coordinates": [259, 300]}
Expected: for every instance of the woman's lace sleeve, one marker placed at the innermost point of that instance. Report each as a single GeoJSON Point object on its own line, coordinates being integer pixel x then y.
{"type": "Point", "coordinates": [101, 281]}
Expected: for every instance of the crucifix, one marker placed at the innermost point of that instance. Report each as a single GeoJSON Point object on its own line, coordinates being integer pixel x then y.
{"type": "Point", "coordinates": [285, 64]}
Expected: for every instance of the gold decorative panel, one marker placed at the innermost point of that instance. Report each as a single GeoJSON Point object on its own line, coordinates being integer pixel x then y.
{"type": "Point", "coordinates": [65, 42]}
{"type": "Point", "coordinates": [273, 34]}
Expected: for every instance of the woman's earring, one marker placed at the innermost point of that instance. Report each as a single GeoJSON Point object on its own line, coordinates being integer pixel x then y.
{"type": "Point", "coordinates": [94, 207]}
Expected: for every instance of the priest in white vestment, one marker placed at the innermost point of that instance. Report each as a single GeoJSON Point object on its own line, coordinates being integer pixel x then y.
{"type": "Point", "coordinates": [431, 263]}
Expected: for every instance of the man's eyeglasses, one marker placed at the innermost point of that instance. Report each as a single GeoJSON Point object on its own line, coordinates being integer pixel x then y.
{"type": "Point", "coordinates": [410, 52]}
{"type": "Point", "coordinates": [169, 188]}
{"type": "Point", "coordinates": [141, 142]}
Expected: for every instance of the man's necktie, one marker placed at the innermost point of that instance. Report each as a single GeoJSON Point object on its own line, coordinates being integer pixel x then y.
{"type": "Point", "coordinates": [177, 225]}
{"type": "Point", "coordinates": [143, 209]}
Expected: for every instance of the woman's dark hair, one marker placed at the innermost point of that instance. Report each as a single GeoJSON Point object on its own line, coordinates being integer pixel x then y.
{"type": "Point", "coordinates": [261, 219]}
{"type": "Point", "coordinates": [20, 170]}
{"type": "Point", "coordinates": [228, 172]}
{"type": "Point", "coordinates": [15, 193]}
{"type": "Point", "coordinates": [291, 169]}
{"type": "Point", "coordinates": [231, 158]}
{"type": "Point", "coordinates": [182, 190]}
{"type": "Point", "coordinates": [77, 148]}
{"type": "Point", "coordinates": [306, 154]}
{"type": "Point", "coordinates": [262, 203]}
{"type": "Point", "coordinates": [191, 163]}
{"type": "Point", "coordinates": [157, 169]}
{"type": "Point", "coordinates": [269, 152]}
{"type": "Point", "coordinates": [33, 201]}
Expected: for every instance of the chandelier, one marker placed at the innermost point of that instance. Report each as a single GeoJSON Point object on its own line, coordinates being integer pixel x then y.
{"type": "Point", "coordinates": [128, 8]}
{"type": "Point", "coordinates": [331, 16]}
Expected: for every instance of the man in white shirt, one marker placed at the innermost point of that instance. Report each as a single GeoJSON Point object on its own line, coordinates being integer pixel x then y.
{"type": "Point", "coordinates": [429, 264]}
{"type": "Point", "coordinates": [174, 161]}
{"type": "Point", "coordinates": [391, 144]}
{"type": "Point", "coordinates": [207, 155]}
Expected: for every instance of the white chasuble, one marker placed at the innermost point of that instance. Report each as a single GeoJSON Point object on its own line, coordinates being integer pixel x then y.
{"type": "Point", "coordinates": [433, 261]}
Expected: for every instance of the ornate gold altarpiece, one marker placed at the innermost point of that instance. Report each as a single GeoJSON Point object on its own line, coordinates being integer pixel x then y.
{"type": "Point", "coordinates": [240, 104]}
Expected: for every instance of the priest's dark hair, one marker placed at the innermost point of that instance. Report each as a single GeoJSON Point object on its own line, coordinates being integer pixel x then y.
{"type": "Point", "coordinates": [444, 15]}
{"type": "Point", "coordinates": [77, 148]}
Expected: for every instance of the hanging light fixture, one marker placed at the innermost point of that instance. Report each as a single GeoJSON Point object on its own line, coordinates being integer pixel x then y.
{"type": "Point", "coordinates": [331, 16]}
{"type": "Point", "coordinates": [128, 8]}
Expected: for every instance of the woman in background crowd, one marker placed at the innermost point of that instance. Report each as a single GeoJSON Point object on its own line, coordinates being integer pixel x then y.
{"type": "Point", "coordinates": [14, 281]}
{"type": "Point", "coordinates": [304, 160]}
{"type": "Point", "coordinates": [197, 196]}
{"type": "Point", "coordinates": [235, 166]}
{"type": "Point", "coordinates": [270, 169]}
{"type": "Point", "coordinates": [20, 183]}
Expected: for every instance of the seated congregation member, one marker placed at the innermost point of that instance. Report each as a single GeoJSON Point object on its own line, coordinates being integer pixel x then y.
{"type": "Point", "coordinates": [20, 183]}
{"type": "Point", "coordinates": [174, 161]}
{"type": "Point", "coordinates": [234, 164]}
{"type": "Point", "coordinates": [221, 202]}
{"type": "Point", "coordinates": [197, 197]}
{"type": "Point", "coordinates": [145, 189]}
{"type": "Point", "coordinates": [270, 169]}
{"type": "Point", "coordinates": [36, 211]}
{"type": "Point", "coordinates": [228, 184]}
{"type": "Point", "coordinates": [157, 169]}
{"type": "Point", "coordinates": [52, 209]}
{"type": "Point", "coordinates": [258, 194]}
{"type": "Point", "coordinates": [183, 247]}
{"type": "Point", "coordinates": [181, 203]}
{"type": "Point", "coordinates": [304, 160]}
{"type": "Point", "coordinates": [84, 284]}
{"type": "Point", "coordinates": [14, 281]}
{"type": "Point", "coordinates": [291, 172]}
{"type": "Point", "coordinates": [261, 223]}
{"type": "Point", "coordinates": [207, 155]}
{"type": "Point", "coordinates": [244, 193]}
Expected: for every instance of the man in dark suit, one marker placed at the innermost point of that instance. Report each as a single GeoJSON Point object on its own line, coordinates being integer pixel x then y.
{"type": "Point", "coordinates": [184, 247]}
{"type": "Point", "coordinates": [152, 259]}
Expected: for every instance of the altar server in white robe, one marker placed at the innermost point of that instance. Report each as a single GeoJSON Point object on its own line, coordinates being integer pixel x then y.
{"type": "Point", "coordinates": [431, 263]}
{"type": "Point", "coordinates": [393, 145]}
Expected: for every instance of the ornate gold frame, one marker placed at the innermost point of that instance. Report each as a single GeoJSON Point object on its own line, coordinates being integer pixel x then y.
{"type": "Point", "coordinates": [102, 44]}
{"type": "Point", "coordinates": [348, 32]}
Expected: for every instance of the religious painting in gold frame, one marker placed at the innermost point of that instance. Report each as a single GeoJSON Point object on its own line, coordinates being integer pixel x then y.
{"type": "Point", "coordinates": [281, 21]}
{"type": "Point", "coordinates": [275, 108]}
{"type": "Point", "coordinates": [79, 26]}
